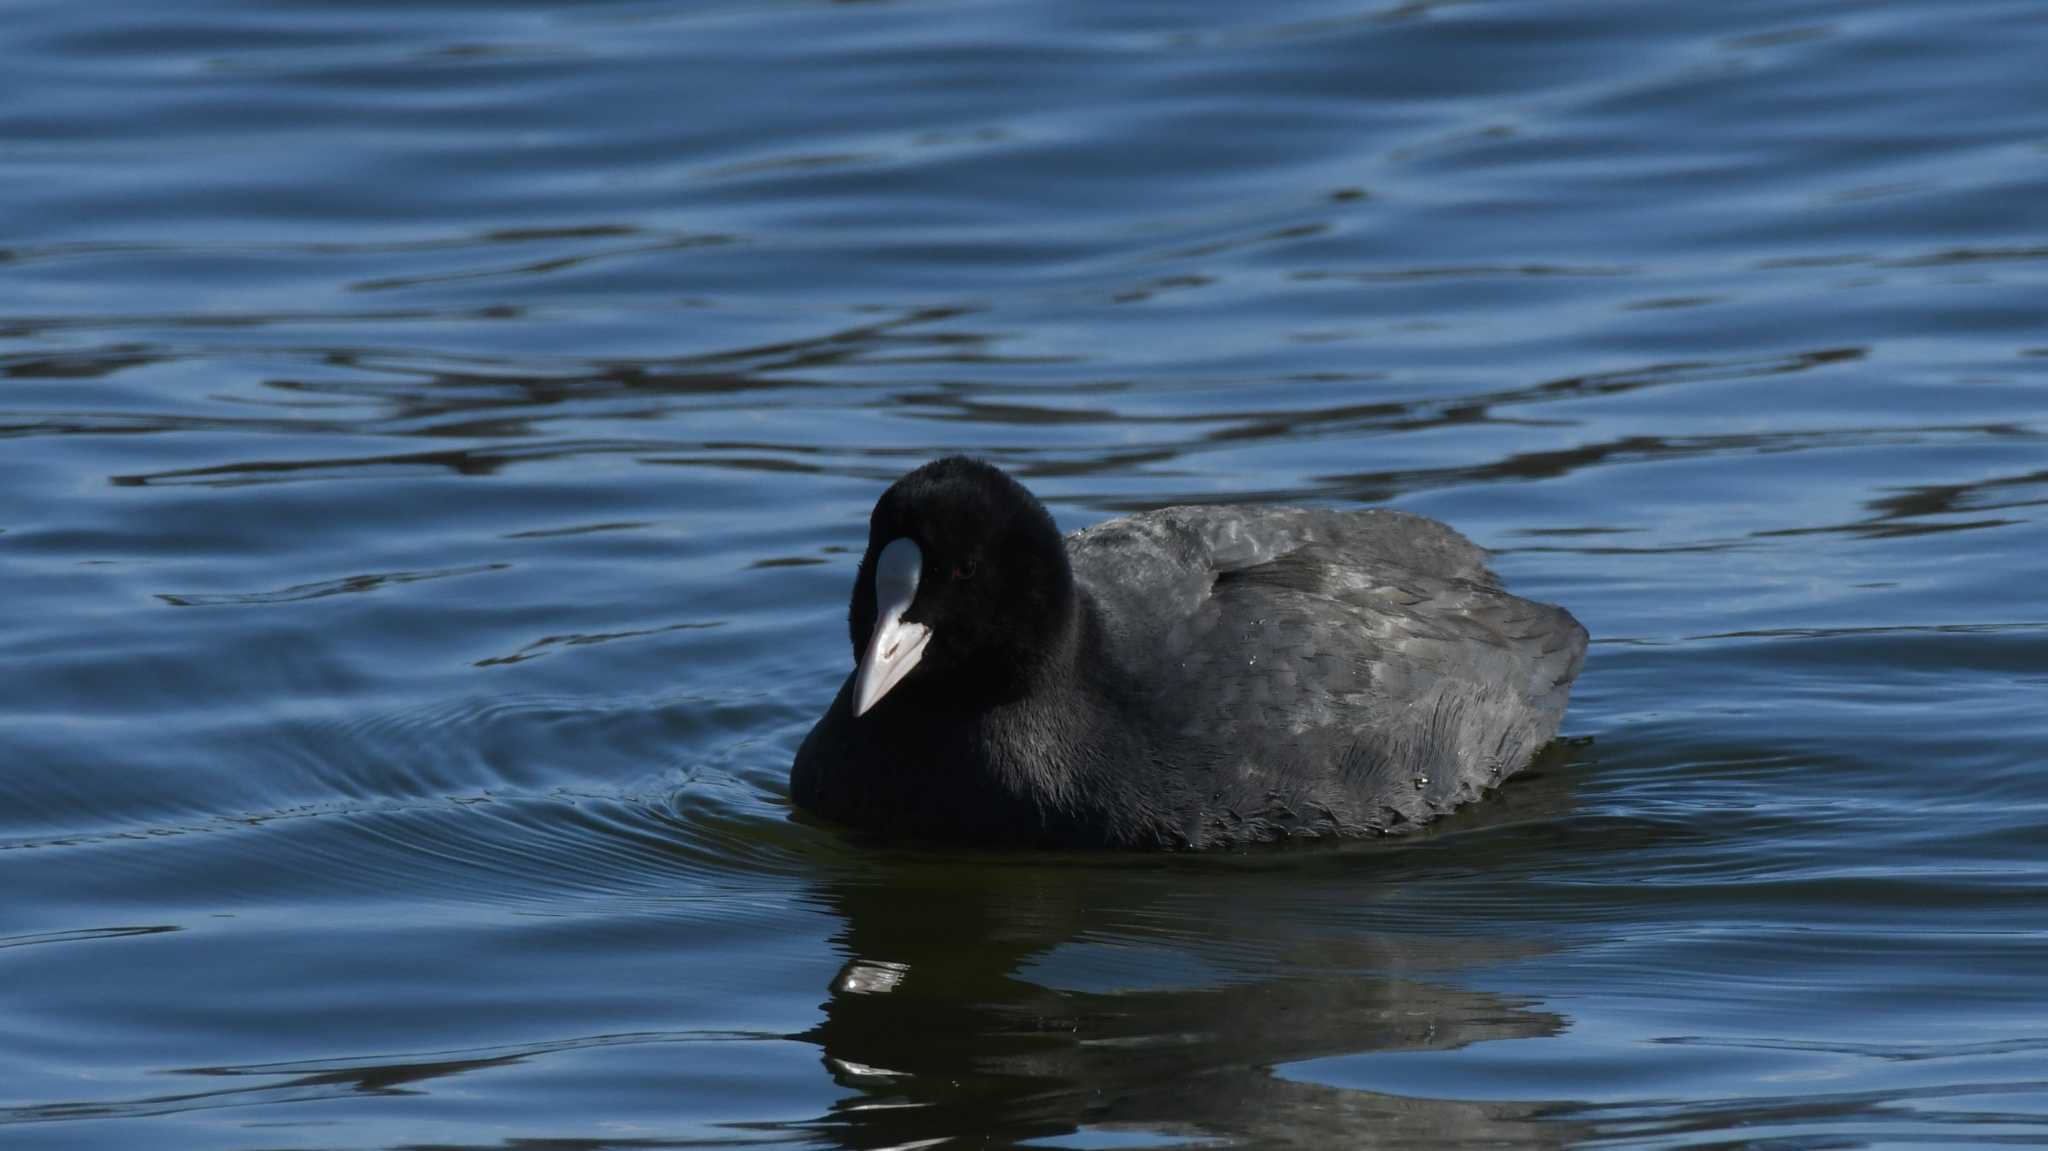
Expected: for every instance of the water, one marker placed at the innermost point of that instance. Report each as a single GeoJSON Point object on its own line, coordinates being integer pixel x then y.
{"type": "Point", "coordinates": [437, 439]}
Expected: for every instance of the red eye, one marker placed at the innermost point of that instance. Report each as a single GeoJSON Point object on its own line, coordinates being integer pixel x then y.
{"type": "Point", "coordinates": [964, 571]}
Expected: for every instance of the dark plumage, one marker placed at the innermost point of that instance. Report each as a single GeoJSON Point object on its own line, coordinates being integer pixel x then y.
{"type": "Point", "coordinates": [1193, 677]}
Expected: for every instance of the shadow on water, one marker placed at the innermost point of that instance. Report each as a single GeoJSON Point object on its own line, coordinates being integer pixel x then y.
{"type": "Point", "coordinates": [954, 1015]}
{"type": "Point", "coordinates": [1151, 1001]}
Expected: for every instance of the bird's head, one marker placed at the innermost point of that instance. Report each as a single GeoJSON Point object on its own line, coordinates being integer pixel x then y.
{"type": "Point", "coordinates": [964, 591]}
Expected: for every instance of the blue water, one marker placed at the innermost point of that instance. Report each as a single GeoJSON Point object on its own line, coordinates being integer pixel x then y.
{"type": "Point", "coordinates": [436, 438]}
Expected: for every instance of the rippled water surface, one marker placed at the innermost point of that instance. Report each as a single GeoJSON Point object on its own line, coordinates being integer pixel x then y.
{"type": "Point", "coordinates": [435, 441]}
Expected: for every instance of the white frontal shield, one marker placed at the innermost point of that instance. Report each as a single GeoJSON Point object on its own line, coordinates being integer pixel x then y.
{"type": "Point", "coordinates": [896, 644]}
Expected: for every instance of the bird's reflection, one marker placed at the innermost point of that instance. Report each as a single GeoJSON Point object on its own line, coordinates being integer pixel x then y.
{"type": "Point", "coordinates": [1148, 1003]}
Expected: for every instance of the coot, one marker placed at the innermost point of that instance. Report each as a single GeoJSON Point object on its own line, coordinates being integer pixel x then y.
{"type": "Point", "coordinates": [1187, 678]}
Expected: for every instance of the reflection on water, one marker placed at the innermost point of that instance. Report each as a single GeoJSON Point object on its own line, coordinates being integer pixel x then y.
{"type": "Point", "coordinates": [436, 441]}
{"type": "Point", "coordinates": [929, 1027]}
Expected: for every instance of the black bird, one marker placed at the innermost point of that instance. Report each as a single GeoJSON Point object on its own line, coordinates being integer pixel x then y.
{"type": "Point", "coordinates": [1186, 678]}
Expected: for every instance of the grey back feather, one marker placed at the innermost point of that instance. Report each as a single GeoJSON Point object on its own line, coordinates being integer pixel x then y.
{"type": "Point", "coordinates": [1314, 671]}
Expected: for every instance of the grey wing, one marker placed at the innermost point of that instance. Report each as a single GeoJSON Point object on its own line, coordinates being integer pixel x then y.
{"type": "Point", "coordinates": [1344, 671]}
{"type": "Point", "coordinates": [1164, 563]}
